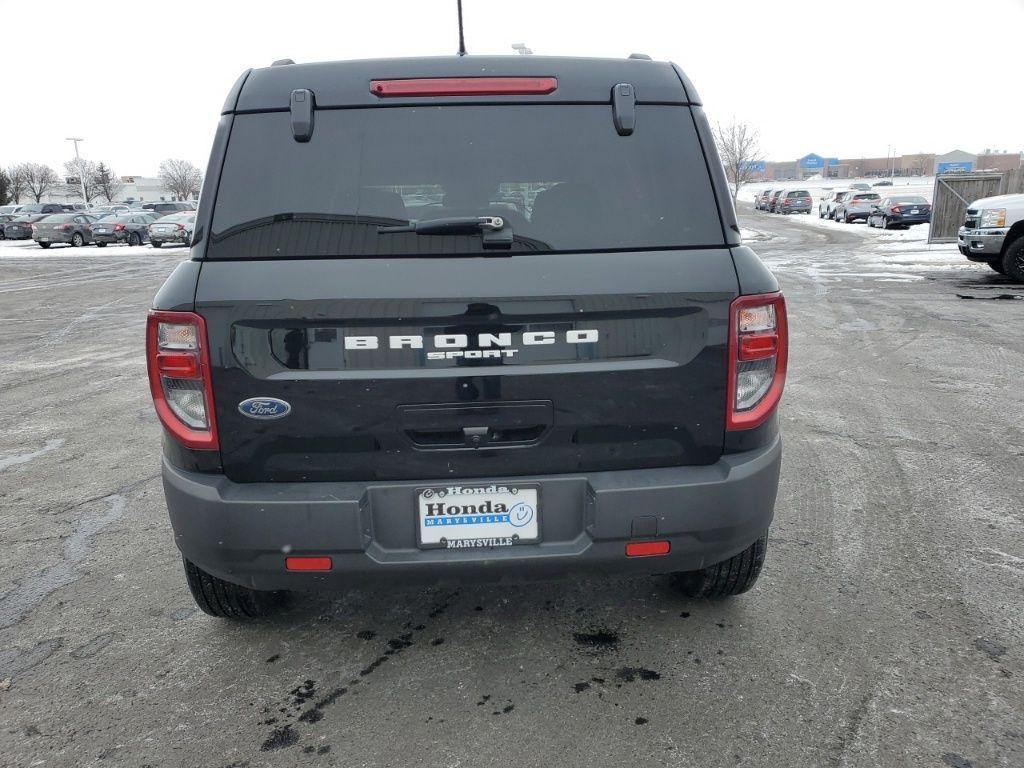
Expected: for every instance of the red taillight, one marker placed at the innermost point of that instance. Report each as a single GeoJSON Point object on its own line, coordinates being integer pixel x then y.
{"type": "Point", "coordinates": [67, 228]}
{"type": "Point", "coordinates": [464, 86]}
{"type": "Point", "coordinates": [308, 563]}
{"type": "Point", "coordinates": [119, 227]}
{"type": "Point", "coordinates": [758, 351]}
{"type": "Point", "coordinates": [647, 548]}
{"type": "Point", "coordinates": [180, 226]}
{"type": "Point", "coordinates": [895, 209]}
{"type": "Point", "coordinates": [178, 360]}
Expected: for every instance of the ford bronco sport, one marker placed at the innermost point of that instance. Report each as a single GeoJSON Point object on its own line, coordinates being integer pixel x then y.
{"type": "Point", "coordinates": [466, 317]}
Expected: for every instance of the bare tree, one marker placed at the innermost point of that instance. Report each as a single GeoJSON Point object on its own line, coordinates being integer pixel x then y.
{"type": "Point", "coordinates": [38, 179]}
{"type": "Point", "coordinates": [108, 185]}
{"type": "Point", "coordinates": [83, 169]}
{"type": "Point", "coordinates": [738, 145]}
{"type": "Point", "coordinates": [5, 187]}
{"type": "Point", "coordinates": [181, 177]}
{"type": "Point", "coordinates": [16, 173]}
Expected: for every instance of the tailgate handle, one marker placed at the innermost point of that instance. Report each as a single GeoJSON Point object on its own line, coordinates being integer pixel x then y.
{"type": "Point", "coordinates": [466, 426]}
{"type": "Point", "coordinates": [624, 108]}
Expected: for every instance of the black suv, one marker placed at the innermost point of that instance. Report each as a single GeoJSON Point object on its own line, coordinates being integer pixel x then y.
{"type": "Point", "coordinates": [468, 318]}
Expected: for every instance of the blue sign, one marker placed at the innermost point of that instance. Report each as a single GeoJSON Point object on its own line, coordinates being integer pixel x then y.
{"type": "Point", "coordinates": [960, 167]}
{"type": "Point", "coordinates": [831, 161]}
{"type": "Point", "coordinates": [756, 166]}
{"type": "Point", "coordinates": [811, 162]}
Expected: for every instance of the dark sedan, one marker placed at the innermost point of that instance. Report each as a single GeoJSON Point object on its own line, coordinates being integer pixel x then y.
{"type": "Point", "coordinates": [71, 228]}
{"type": "Point", "coordinates": [900, 212]}
{"type": "Point", "coordinates": [129, 228]}
{"type": "Point", "coordinates": [21, 227]}
{"type": "Point", "coordinates": [6, 218]}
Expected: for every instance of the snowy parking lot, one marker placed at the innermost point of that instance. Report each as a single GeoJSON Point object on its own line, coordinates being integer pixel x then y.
{"type": "Point", "coordinates": [887, 621]}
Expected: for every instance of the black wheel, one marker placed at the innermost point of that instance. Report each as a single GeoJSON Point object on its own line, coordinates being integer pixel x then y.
{"type": "Point", "coordinates": [77, 241]}
{"type": "Point", "coordinates": [226, 600]}
{"type": "Point", "coordinates": [155, 243]}
{"type": "Point", "coordinates": [885, 223]}
{"type": "Point", "coordinates": [101, 245]}
{"type": "Point", "coordinates": [44, 245]}
{"type": "Point", "coordinates": [730, 577]}
{"type": "Point", "coordinates": [997, 265]}
{"type": "Point", "coordinates": [134, 239]}
{"type": "Point", "coordinates": [1013, 260]}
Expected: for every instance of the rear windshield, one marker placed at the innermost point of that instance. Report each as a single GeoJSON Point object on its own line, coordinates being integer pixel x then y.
{"type": "Point", "coordinates": [560, 176]}
{"type": "Point", "coordinates": [910, 200]}
{"type": "Point", "coordinates": [799, 193]}
{"type": "Point", "coordinates": [176, 217]}
{"type": "Point", "coordinates": [58, 217]}
{"type": "Point", "coordinates": [867, 196]}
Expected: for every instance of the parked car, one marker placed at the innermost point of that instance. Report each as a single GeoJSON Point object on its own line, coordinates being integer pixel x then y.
{"type": "Point", "coordinates": [164, 208]}
{"type": "Point", "coordinates": [118, 208]}
{"type": "Point", "coordinates": [856, 205]}
{"type": "Point", "coordinates": [9, 209]}
{"type": "Point", "coordinates": [993, 233]}
{"type": "Point", "coordinates": [132, 229]}
{"type": "Point", "coordinates": [761, 201]}
{"type": "Point", "coordinates": [826, 206]}
{"type": "Point", "coordinates": [173, 228]}
{"type": "Point", "coordinates": [71, 228]}
{"type": "Point", "coordinates": [885, 183]}
{"type": "Point", "coordinates": [795, 201]}
{"type": "Point", "coordinates": [320, 431]}
{"type": "Point", "coordinates": [860, 185]}
{"type": "Point", "coordinates": [774, 199]}
{"type": "Point", "coordinates": [900, 212]}
{"type": "Point", "coordinates": [4, 219]}
{"type": "Point", "coordinates": [33, 208]}
{"type": "Point", "coordinates": [21, 227]}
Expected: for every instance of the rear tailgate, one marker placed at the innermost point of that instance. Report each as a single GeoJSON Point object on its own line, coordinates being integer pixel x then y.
{"type": "Point", "coordinates": [595, 339]}
{"type": "Point", "coordinates": [612, 361]}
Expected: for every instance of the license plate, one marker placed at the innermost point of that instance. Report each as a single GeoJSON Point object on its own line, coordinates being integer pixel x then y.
{"type": "Point", "coordinates": [100, 231]}
{"type": "Point", "coordinates": [915, 211]}
{"type": "Point", "coordinates": [477, 516]}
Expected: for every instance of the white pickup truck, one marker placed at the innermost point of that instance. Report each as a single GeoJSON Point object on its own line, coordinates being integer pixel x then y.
{"type": "Point", "coordinates": [993, 232]}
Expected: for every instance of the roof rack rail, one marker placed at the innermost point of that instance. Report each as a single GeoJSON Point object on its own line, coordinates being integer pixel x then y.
{"type": "Point", "coordinates": [641, 56]}
{"type": "Point", "coordinates": [282, 62]}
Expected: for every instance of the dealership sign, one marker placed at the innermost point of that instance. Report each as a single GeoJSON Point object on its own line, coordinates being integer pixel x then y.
{"type": "Point", "coordinates": [961, 167]}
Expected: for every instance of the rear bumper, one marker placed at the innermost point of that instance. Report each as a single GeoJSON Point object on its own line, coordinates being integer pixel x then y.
{"type": "Point", "coordinates": [983, 244]}
{"type": "Point", "coordinates": [113, 237]}
{"type": "Point", "coordinates": [241, 531]}
{"type": "Point", "coordinates": [52, 237]}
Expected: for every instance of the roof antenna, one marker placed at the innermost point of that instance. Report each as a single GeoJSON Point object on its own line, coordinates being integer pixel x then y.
{"type": "Point", "coordinates": [462, 39]}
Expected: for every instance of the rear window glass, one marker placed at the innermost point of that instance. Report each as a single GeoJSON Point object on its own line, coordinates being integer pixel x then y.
{"type": "Point", "coordinates": [868, 196]}
{"type": "Point", "coordinates": [560, 176]}
{"type": "Point", "coordinates": [911, 200]}
{"type": "Point", "coordinates": [799, 193]}
{"type": "Point", "coordinates": [56, 217]}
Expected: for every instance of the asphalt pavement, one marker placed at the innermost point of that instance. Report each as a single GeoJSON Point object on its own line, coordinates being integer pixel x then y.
{"type": "Point", "coordinates": [886, 629]}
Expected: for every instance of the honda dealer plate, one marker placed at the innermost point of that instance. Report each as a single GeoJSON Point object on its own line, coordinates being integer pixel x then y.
{"type": "Point", "coordinates": [477, 516]}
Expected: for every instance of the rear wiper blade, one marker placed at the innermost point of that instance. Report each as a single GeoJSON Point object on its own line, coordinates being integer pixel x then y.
{"type": "Point", "coordinates": [451, 226]}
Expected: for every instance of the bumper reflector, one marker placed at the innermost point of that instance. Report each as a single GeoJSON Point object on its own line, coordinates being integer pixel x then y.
{"type": "Point", "coordinates": [647, 548]}
{"type": "Point", "coordinates": [307, 563]}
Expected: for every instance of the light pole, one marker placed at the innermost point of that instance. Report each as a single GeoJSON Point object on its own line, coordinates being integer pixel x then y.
{"type": "Point", "coordinates": [78, 162]}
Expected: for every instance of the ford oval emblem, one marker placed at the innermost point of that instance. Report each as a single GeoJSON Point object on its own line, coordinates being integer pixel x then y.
{"type": "Point", "coordinates": [264, 408]}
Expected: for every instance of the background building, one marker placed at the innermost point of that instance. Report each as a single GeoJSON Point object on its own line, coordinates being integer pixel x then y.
{"type": "Point", "coordinates": [920, 164]}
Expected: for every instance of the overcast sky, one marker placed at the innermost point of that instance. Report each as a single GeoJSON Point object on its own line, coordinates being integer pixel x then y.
{"type": "Point", "coordinates": [145, 81]}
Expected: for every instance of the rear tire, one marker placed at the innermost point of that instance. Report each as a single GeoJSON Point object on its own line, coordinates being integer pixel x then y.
{"type": "Point", "coordinates": [155, 243]}
{"type": "Point", "coordinates": [134, 239]}
{"type": "Point", "coordinates": [1013, 260]}
{"type": "Point", "coordinates": [997, 265]}
{"type": "Point", "coordinates": [77, 241]}
{"type": "Point", "coordinates": [44, 245]}
{"type": "Point", "coordinates": [727, 578]}
{"type": "Point", "coordinates": [226, 600]}
{"type": "Point", "coordinates": [101, 245]}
